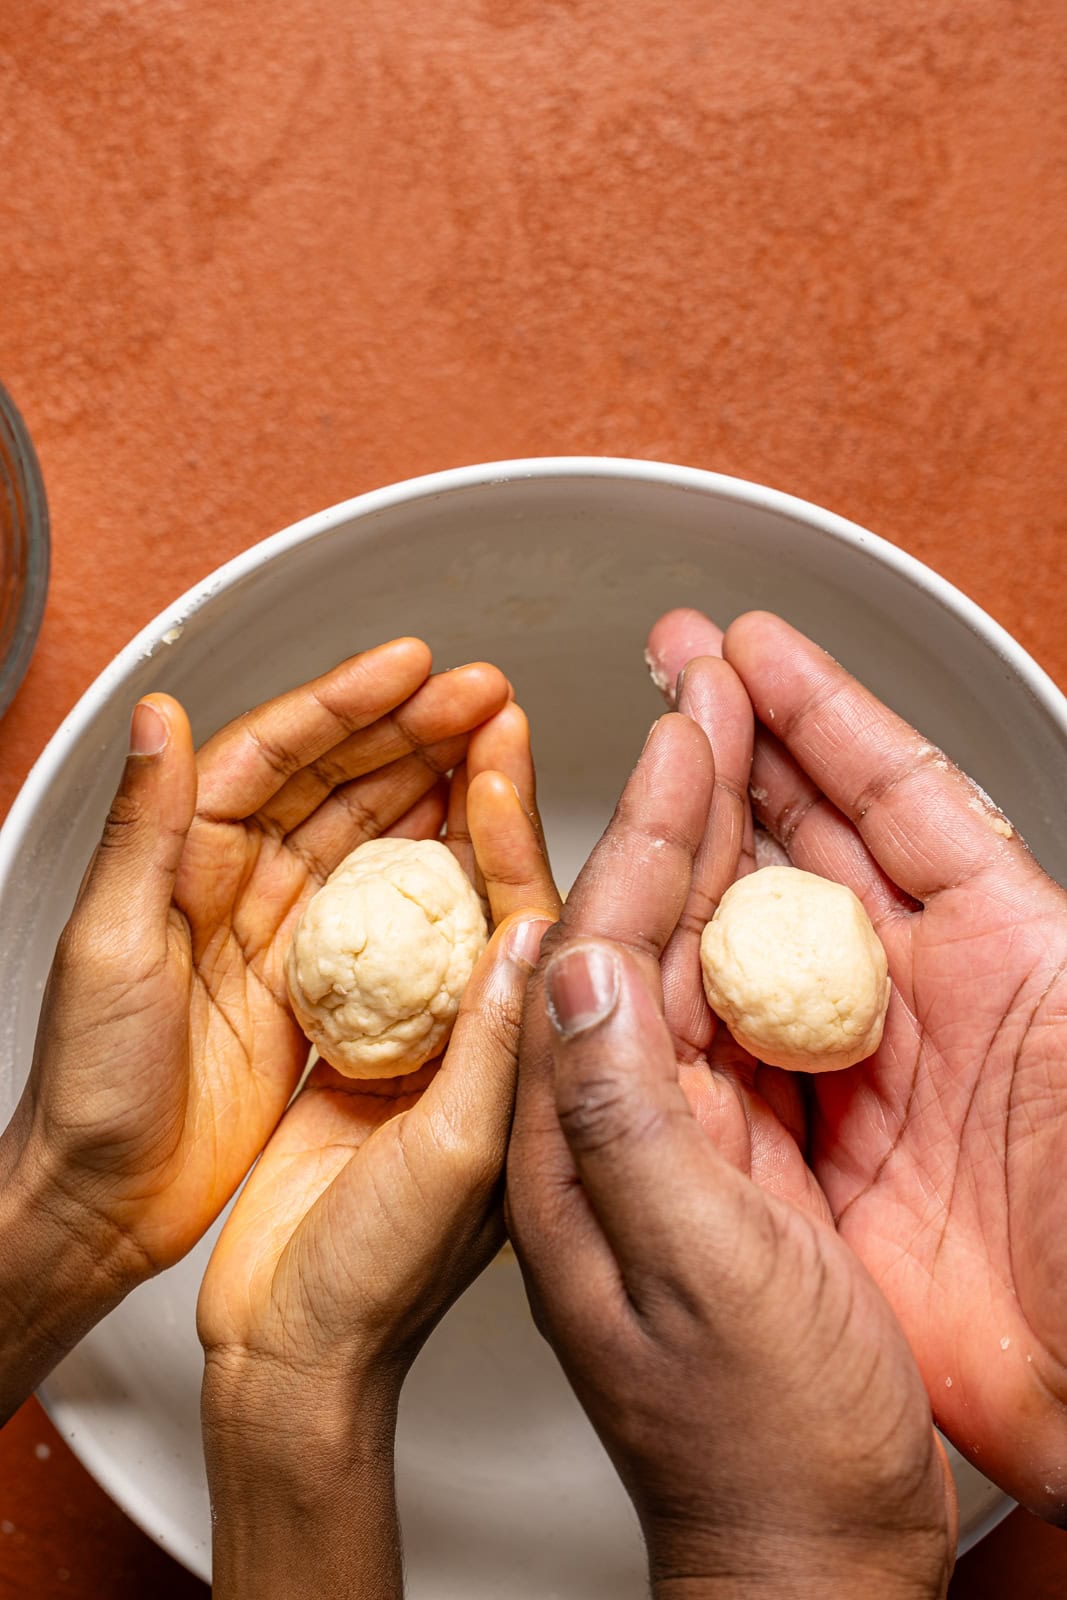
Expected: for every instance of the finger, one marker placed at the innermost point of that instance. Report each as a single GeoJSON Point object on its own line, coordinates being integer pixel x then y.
{"type": "Point", "coordinates": [367, 807]}
{"type": "Point", "coordinates": [756, 1118]}
{"type": "Point", "coordinates": [503, 745]}
{"type": "Point", "coordinates": [632, 888]}
{"type": "Point", "coordinates": [675, 640]}
{"type": "Point", "coordinates": [714, 697]}
{"type": "Point", "coordinates": [130, 881]}
{"type": "Point", "coordinates": [928, 827]}
{"type": "Point", "coordinates": [816, 837]}
{"type": "Point", "coordinates": [783, 1092]}
{"type": "Point", "coordinates": [508, 850]}
{"type": "Point", "coordinates": [448, 704]}
{"type": "Point", "coordinates": [252, 758]}
{"type": "Point", "coordinates": [664, 1197]}
{"type": "Point", "coordinates": [426, 817]}
{"type": "Point", "coordinates": [636, 882]}
{"type": "Point", "coordinates": [468, 1107]}
{"type": "Point", "coordinates": [457, 829]}
{"type": "Point", "coordinates": [566, 1262]}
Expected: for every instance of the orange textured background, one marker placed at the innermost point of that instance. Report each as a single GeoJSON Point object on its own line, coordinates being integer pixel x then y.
{"type": "Point", "coordinates": [259, 257]}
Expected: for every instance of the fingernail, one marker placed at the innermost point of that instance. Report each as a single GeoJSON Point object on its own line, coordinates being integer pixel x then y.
{"type": "Point", "coordinates": [148, 730]}
{"type": "Point", "coordinates": [582, 987]}
{"type": "Point", "coordinates": [524, 941]}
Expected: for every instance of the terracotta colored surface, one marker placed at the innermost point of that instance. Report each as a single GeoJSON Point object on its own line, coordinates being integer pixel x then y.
{"type": "Point", "coordinates": [260, 257]}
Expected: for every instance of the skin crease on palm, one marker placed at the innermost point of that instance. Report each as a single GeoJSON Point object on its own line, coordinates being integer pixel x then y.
{"type": "Point", "coordinates": [255, 822]}
{"type": "Point", "coordinates": [941, 1157]}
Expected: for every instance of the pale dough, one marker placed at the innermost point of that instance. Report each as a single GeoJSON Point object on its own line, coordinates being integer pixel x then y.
{"type": "Point", "coordinates": [794, 968]}
{"type": "Point", "coordinates": [382, 954]}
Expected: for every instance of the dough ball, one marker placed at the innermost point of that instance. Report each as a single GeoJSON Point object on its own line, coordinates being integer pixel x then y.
{"type": "Point", "coordinates": [794, 968]}
{"type": "Point", "coordinates": [382, 955]}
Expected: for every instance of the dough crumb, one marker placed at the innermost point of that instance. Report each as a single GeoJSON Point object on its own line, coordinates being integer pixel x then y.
{"type": "Point", "coordinates": [987, 808]}
{"type": "Point", "coordinates": [382, 954]}
{"type": "Point", "coordinates": [794, 968]}
{"type": "Point", "coordinates": [768, 852]}
{"type": "Point", "coordinates": [659, 677]}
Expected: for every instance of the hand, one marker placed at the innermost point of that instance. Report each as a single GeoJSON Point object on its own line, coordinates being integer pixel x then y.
{"type": "Point", "coordinates": [167, 1050]}
{"type": "Point", "coordinates": [941, 1155]}
{"type": "Point", "coordinates": [370, 1211]}
{"type": "Point", "coordinates": [747, 1378]}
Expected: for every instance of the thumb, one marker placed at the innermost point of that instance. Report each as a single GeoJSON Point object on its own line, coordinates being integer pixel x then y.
{"type": "Point", "coordinates": [672, 1208]}
{"type": "Point", "coordinates": [131, 876]}
{"type": "Point", "coordinates": [467, 1108]}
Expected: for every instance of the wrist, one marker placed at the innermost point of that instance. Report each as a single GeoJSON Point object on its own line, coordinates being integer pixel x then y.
{"type": "Point", "coordinates": [844, 1582]}
{"type": "Point", "coordinates": [301, 1475]}
{"type": "Point", "coordinates": [763, 1563]}
{"type": "Point", "coordinates": [61, 1268]}
{"type": "Point", "coordinates": [254, 1405]}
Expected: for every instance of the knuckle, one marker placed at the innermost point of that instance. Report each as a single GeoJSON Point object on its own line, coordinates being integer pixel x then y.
{"type": "Point", "coordinates": [792, 815]}
{"type": "Point", "coordinates": [362, 817]}
{"type": "Point", "coordinates": [280, 760]}
{"type": "Point", "coordinates": [813, 707]}
{"type": "Point", "coordinates": [694, 918]}
{"type": "Point", "coordinates": [884, 783]}
{"type": "Point", "coordinates": [501, 1018]}
{"type": "Point", "coordinates": [123, 820]}
{"type": "Point", "coordinates": [597, 1113]}
{"type": "Point", "coordinates": [472, 1158]}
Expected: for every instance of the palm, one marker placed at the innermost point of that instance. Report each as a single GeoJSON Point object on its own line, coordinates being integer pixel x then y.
{"type": "Point", "coordinates": [284, 1256]}
{"type": "Point", "coordinates": [927, 1151]}
{"type": "Point", "coordinates": [238, 897]}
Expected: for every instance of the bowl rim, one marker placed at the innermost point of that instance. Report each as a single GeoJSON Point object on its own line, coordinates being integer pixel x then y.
{"type": "Point", "coordinates": [119, 1483]}
{"type": "Point", "coordinates": [31, 601]}
{"type": "Point", "coordinates": [436, 485]}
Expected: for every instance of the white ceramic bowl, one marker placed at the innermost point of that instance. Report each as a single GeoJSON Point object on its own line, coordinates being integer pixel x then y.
{"type": "Point", "coordinates": [554, 569]}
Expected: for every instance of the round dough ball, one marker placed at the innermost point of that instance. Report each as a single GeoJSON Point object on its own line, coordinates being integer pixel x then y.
{"type": "Point", "coordinates": [794, 968]}
{"type": "Point", "coordinates": [382, 955]}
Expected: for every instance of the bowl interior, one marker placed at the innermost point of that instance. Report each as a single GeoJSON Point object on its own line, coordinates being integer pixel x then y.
{"type": "Point", "coordinates": [555, 574]}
